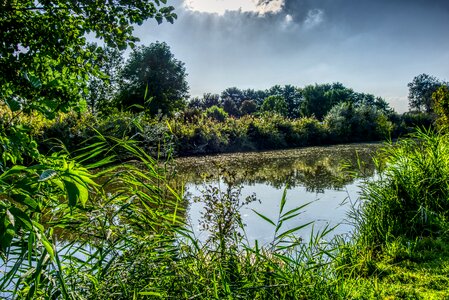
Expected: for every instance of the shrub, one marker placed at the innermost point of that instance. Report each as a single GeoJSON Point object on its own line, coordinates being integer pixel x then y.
{"type": "Point", "coordinates": [217, 113]}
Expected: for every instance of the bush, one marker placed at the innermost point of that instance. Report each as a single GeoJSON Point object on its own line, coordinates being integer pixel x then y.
{"type": "Point", "coordinates": [348, 122]}
{"type": "Point", "coordinates": [216, 113]}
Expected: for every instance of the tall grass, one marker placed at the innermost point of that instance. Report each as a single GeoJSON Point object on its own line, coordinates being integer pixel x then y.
{"type": "Point", "coordinates": [410, 197]}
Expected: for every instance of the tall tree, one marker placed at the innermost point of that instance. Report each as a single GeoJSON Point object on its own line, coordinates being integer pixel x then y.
{"type": "Point", "coordinates": [292, 96]}
{"type": "Point", "coordinates": [103, 87]}
{"type": "Point", "coordinates": [234, 94]}
{"type": "Point", "coordinates": [153, 80]}
{"type": "Point", "coordinates": [320, 98]}
{"type": "Point", "coordinates": [420, 92]}
{"type": "Point", "coordinates": [275, 104]}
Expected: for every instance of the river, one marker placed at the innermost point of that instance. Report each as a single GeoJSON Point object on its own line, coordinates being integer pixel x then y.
{"type": "Point", "coordinates": [328, 178]}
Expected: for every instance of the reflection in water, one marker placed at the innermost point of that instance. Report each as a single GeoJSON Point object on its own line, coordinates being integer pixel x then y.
{"type": "Point", "coordinates": [321, 176]}
{"type": "Point", "coordinates": [315, 168]}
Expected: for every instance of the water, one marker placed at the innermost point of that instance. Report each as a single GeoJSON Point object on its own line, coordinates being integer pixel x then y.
{"type": "Point", "coordinates": [328, 178]}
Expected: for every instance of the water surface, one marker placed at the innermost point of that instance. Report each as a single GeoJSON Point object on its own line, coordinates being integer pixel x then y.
{"type": "Point", "coordinates": [328, 178]}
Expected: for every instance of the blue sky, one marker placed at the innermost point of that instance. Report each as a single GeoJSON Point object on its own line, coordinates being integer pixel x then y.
{"type": "Point", "coordinates": [370, 46]}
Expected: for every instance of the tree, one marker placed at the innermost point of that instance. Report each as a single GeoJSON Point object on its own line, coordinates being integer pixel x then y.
{"type": "Point", "coordinates": [230, 107]}
{"type": "Point", "coordinates": [292, 96]}
{"type": "Point", "coordinates": [210, 100]}
{"type": "Point", "coordinates": [154, 80]}
{"type": "Point", "coordinates": [44, 55]}
{"type": "Point", "coordinates": [275, 104]}
{"type": "Point", "coordinates": [320, 98]}
{"type": "Point", "coordinates": [420, 92]}
{"type": "Point", "coordinates": [103, 87]}
{"type": "Point", "coordinates": [347, 122]}
{"type": "Point", "coordinates": [256, 95]}
{"type": "Point", "coordinates": [248, 107]}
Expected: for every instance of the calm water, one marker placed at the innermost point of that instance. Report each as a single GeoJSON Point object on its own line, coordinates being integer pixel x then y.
{"type": "Point", "coordinates": [323, 176]}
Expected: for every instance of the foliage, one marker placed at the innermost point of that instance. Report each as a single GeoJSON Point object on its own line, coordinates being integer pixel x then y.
{"type": "Point", "coordinates": [420, 92]}
{"type": "Point", "coordinates": [248, 107]}
{"type": "Point", "coordinates": [230, 107]}
{"type": "Point", "coordinates": [410, 197]}
{"type": "Point", "coordinates": [441, 106]}
{"type": "Point", "coordinates": [348, 122]}
{"type": "Point", "coordinates": [65, 228]}
{"type": "Point", "coordinates": [275, 104]}
{"type": "Point", "coordinates": [292, 96]}
{"type": "Point", "coordinates": [152, 80]}
{"type": "Point", "coordinates": [216, 113]}
{"type": "Point", "coordinates": [320, 98]}
{"type": "Point", "coordinates": [104, 87]}
{"type": "Point", "coordinates": [44, 57]}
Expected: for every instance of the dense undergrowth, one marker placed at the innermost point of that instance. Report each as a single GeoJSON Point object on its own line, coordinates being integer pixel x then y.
{"type": "Point", "coordinates": [200, 133]}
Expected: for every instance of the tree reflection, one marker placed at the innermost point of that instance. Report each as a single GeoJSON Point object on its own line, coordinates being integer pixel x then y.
{"type": "Point", "coordinates": [315, 168]}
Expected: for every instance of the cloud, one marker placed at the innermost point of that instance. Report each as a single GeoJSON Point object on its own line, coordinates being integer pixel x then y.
{"type": "Point", "coordinates": [220, 7]}
{"type": "Point", "coordinates": [269, 6]}
{"type": "Point", "coordinates": [314, 18]}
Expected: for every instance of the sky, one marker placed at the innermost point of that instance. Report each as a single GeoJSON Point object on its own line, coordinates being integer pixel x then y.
{"type": "Point", "coordinates": [372, 46]}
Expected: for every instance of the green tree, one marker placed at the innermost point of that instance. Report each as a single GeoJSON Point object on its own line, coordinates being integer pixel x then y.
{"type": "Point", "coordinates": [292, 96]}
{"type": "Point", "coordinates": [320, 98]}
{"type": "Point", "coordinates": [256, 95]}
{"type": "Point", "coordinates": [216, 113]}
{"type": "Point", "coordinates": [234, 94]}
{"type": "Point", "coordinates": [153, 80]}
{"type": "Point", "coordinates": [248, 107]}
{"type": "Point", "coordinates": [441, 104]}
{"type": "Point", "coordinates": [102, 88]}
{"type": "Point", "coordinates": [44, 55]}
{"type": "Point", "coordinates": [420, 92]}
{"type": "Point", "coordinates": [230, 106]}
{"type": "Point", "coordinates": [349, 122]}
{"type": "Point", "coordinates": [275, 104]}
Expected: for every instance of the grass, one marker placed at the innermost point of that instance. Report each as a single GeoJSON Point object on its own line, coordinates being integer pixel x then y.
{"type": "Point", "coordinates": [132, 241]}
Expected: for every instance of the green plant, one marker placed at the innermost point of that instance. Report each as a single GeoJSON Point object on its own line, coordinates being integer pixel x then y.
{"type": "Point", "coordinates": [409, 199]}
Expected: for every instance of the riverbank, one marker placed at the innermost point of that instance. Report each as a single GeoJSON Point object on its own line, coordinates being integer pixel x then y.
{"type": "Point", "coordinates": [201, 135]}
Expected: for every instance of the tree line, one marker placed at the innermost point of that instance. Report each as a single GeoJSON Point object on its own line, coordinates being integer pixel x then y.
{"type": "Point", "coordinates": [154, 81]}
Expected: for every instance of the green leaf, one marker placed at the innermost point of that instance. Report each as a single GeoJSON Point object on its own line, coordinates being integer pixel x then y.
{"type": "Point", "coordinates": [288, 232]}
{"type": "Point", "coordinates": [283, 200]}
{"type": "Point", "coordinates": [33, 80]}
{"type": "Point", "coordinates": [294, 210]}
{"type": "Point", "coordinates": [264, 217]}
{"type": "Point", "coordinates": [13, 104]}
{"type": "Point", "coordinates": [76, 192]}
{"type": "Point", "coordinates": [72, 192]}
{"type": "Point", "coordinates": [150, 294]}
{"type": "Point", "coordinates": [48, 246]}
{"type": "Point", "coordinates": [22, 217]}
{"type": "Point", "coordinates": [47, 174]}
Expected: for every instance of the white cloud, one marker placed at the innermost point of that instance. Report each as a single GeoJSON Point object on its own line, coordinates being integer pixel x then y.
{"type": "Point", "coordinates": [314, 18]}
{"type": "Point", "coordinates": [269, 6]}
{"type": "Point", "coordinates": [221, 6]}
